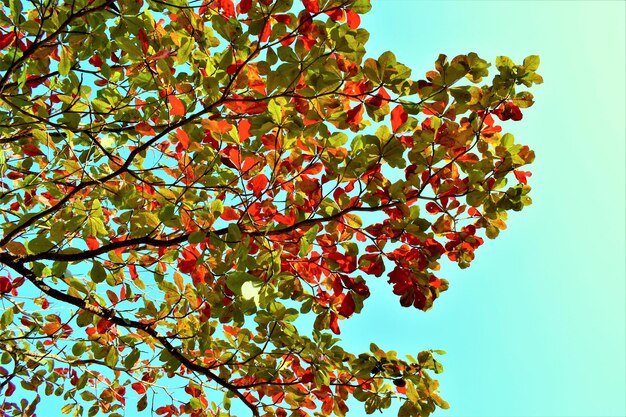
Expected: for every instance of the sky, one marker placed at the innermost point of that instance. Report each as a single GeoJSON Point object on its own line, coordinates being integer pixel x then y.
{"type": "Point", "coordinates": [536, 326]}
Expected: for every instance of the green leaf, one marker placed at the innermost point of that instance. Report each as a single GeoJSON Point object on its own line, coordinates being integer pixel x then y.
{"type": "Point", "coordinates": [111, 357]}
{"type": "Point", "coordinates": [235, 281]}
{"type": "Point", "coordinates": [66, 60]}
{"type": "Point", "coordinates": [361, 6]}
{"type": "Point", "coordinates": [531, 63]}
{"type": "Point", "coordinates": [40, 245]}
{"type": "Point", "coordinates": [98, 273]}
{"type": "Point", "coordinates": [195, 404]}
{"type": "Point", "coordinates": [196, 237]}
{"type": "Point", "coordinates": [15, 7]}
{"type": "Point", "coordinates": [234, 234]}
{"type": "Point", "coordinates": [7, 317]}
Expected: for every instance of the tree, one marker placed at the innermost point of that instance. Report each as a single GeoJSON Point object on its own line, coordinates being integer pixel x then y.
{"type": "Point", "coordinates": [182, 181]}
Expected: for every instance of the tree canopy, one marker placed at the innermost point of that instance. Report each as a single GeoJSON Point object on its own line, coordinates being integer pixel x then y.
{"type": "Point", "coordinates": [184, 185]}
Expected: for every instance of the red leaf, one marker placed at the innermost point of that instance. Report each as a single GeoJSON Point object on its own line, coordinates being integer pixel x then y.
{"type": "Point", "coordinates": [336, 15]}
{"type": "Point", "coordinates": [354, 20]}
{"type": "Point", "coordinates": [246, 105]}
{"type": "Point", "coordinates": [190, 257]}
{"type": "Point", "coordinates": [522, 176]}
{"type": "Point", "coordinates": [143, 39]}
{"type": "Point", "coordinates": [433, 208]}
{"type": "Point", "coordinates": [10, 389]}
{"type": "Point", "coordinates": [133, 271]}
{"type": "Point", "coordinates": [334, 323]}
{"type": "Point", "coordinates": [381, 98]}
{"type": "Point", "coordinates": [5, 285]}
{"type": "Point", "coordinates": [92, 242]}
{"type": "Point", "coordinates": [31, 150]}
{"type": "Point", "coordinates": [355, 115]}
{"type": "Point", "coordinates": [516, 113]}
{"type": "Point", "coordinates": [283, 18]}
{"type": "Point", "coordinates": [177, 108]}
{"type": "Point", "coordinates": [311, 5]}
{"type": "Point", "coordinates": [434, 282]}
{"type": "Point", "coordinates": [167, 410]}
{"type": "Point", "coordinates": [244, 6]}
{"type": "Point", "coordinates": [372, 263]}
{"type": "Point", "coordinates": [473, 212]}
{"type": "Point", "coordinates": [228, 8]}
{"type": "Point", "coordinates": [145, 129]}
{"type": "Point", "coordinates": [164, 53]}
{"type": "Point", "coordinates": [138, 387]}
{"type": "Point", "coordinates": [229, 213]}
{"type": "Point", "coordinates": [103, 326]}
{"type": "Point", "coordinates": [96, 61]}
{"type": "Point", "coordinates": [257, 184]}
{"type": "Point", "coordinates": [398, 118]}
{"type": "Point", "coordinates": [6, 39]}
{"type": "Point", "coordinates": [347, 306]}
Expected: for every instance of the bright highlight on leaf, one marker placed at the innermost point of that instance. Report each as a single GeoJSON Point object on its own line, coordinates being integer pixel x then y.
{"type": "Point", "coordinates": [197, 198]}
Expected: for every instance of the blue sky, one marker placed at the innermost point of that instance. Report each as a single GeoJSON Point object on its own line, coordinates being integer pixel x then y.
{"type": "Point", "coordinates": [535, 327]}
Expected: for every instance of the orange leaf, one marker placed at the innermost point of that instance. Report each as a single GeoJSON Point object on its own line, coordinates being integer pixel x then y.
{"type": "Point", "coordinates": [229, 213]}
{"type": "Point", "coordinates": [183, 138]}
{"type": "Point", "coordinates": [145, 129]}
{"type": "Point", "coordinates": [265, 34]}
{"type": "Point", "coordinates": [92, 242]}
{"type": "Point", "coordinates": [354, 20]}
{"type": "Point", "coordinates": [244, 129]}
{"type": "Point", "coordinates": [177, 108]}
{"type": "Point", "coordinates": [51, 328]}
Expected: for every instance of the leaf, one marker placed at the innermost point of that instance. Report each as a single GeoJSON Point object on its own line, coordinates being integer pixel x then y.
{"type": "Point", "coordinates": [177, 108]}
{"type": "Point", "coordinates": [398, 118]}
{"type": "Point", "coordinates": [111, 357]}
{"type": "Point", "coordinates": [361, 6]}
{"type": "Point", "coordinates": [257, 184]}
{"type": "Point", "coordinates": [51, 329]}
{"type": "Point", "coordinates": [311, 5]}
{"type": "Point", "coordinates": [40, 245]}
{"type": "Point", "coordinates": [443, 224]}
{"type": "Point", "coordinates": [31, 150]}
{"type": "Point", "coordinates": [347, 306]}
{"type": "Point", "coordinates": [531, 63]}
{"type": "Point", "coordinates": [6, 39]}
{"type": "Point", "coordinates": [237, 279]}
{"type": "Point", "coordinates": [98, 273]}
{"type": "Point", "coordinates": [131, 359]}
{"type": "Point", "coordinates": [92, 242]}
{"type": "Point", "coordinates": [354, 20]}
{"type": "Point", "coordinates": [229, 213]}
{"type": "Point", "coordinates": [66, 61]}
{"type": "Point", "coordinates": [144, 129]}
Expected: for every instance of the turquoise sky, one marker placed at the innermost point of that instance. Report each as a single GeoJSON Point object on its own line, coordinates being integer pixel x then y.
{"type": "Point", "coordinates": [536, 326]}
